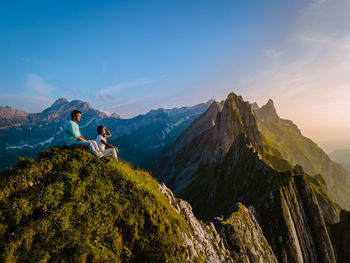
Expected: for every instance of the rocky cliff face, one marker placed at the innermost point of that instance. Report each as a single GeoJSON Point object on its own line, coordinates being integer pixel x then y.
{"type": "Point", "coordinates": [224, 124]}
{"type": "Point", "coordinates": [341, 236]}
{"type": "Point", "coordinates": [237, 238]}
{"type": "Point", "coordinates": [244, 236]}
{"type": "Point", "coordinates": [203, 240]}
{"type": "Point", "coordinates": [224, 164]}
{"type": "Point", "coordinates": [303, 234]}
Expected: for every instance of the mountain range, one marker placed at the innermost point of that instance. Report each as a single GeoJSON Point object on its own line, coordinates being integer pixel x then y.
{"type": "Point", "coordinates": [225, 157]}
{"type": "Point", "coordinates": [139, 139]}
{"type": "Point", "coordinates": [260, 191]}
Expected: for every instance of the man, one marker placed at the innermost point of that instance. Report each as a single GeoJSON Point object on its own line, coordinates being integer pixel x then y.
{"type": "Point", "coordinates": [72, 136]}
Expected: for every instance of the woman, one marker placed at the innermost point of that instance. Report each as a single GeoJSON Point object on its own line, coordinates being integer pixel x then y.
{"type": "Point", "coordinates": [101, 140]}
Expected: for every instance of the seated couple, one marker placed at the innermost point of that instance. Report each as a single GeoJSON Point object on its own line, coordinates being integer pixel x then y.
{"type": "Point", "coordinates": [73, 138]}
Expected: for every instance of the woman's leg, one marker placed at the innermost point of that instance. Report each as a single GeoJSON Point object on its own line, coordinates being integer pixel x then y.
{"type": "Point", "coordinates": [111, 151]}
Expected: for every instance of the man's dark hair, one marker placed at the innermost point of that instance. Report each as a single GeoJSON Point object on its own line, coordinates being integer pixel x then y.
{"type": "Point", "coordinates": [73, 113]}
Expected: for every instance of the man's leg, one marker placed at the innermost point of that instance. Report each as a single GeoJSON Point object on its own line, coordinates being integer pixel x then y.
{"type": "Point", "coordinates": [88, 145]}
{"type": "Point", "coordinates": [94, 144]}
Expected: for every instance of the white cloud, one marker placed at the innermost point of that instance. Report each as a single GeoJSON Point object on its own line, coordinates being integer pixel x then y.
{"type": "Point", "coordinates": [271, 53]}
{"type": "Point", "coordinates": [127, 102]}
{"type": "Point", "coordinates": [38, 86]}
{"type": "Point", "coordinates": [107, 93]}
{"type": "Point", "coordinates": [123, 108]}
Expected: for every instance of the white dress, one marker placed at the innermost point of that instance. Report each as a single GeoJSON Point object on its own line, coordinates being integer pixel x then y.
{"type": "Point", "coordinates": [109, 151]}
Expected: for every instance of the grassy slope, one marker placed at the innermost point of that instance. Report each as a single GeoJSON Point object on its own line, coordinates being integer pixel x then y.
{"type": "Point", "coordinates": [70, 206]}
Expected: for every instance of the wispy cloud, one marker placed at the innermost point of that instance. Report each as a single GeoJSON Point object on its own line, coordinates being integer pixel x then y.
{"type": "Point", "coordinates": [107, 93]}
{"type": "Point", "coordinates": [271, 53]}
{"type": "Point", "coordinates": [119, 105]}
{"type": "Point", "coordinates": [37, 85]}
{"type": "Point", "coordinates": [72, 92]}
{"type": "Point", "coordinates": [127, 102]}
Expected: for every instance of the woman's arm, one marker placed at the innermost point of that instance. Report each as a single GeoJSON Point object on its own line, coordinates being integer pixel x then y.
{"type": "Point", "coordinates": [108, 133]}
{"type": "Point", "coordinates": [109, 145]}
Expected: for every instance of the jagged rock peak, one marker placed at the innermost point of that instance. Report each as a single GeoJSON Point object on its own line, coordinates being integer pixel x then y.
{"type": "Point", "coordinates": [115, 115]}
{"type": "Point", "coordinates": [211, 101]}
{"type": "Point", "coordinates": [270, 106]}
{"type": "Point", "coordinates": [236, 117]}
{"type": "Point", "coordinates": [60, 101]}
{"type": "Point", "coordinates": [267, 113]}
{"type": "Point", "coordinates": [254, 106]}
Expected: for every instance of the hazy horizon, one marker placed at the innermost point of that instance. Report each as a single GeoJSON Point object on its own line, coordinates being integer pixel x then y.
{"type": "Point", "coordinates": [130, 57]}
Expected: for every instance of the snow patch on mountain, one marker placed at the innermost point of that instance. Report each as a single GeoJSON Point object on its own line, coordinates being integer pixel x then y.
{"type": "Point", "coordinates": [48, 141]}
{"type": "Point", "coordinates": [88, 123]}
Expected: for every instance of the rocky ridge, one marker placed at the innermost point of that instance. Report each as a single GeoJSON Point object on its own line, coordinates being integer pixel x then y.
{"type": "Point", "coordinates": [238, 238]}
{"type": "Point", "coordinates": [225, 164]}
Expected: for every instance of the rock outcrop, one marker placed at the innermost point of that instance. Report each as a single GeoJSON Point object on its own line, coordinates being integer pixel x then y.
{"type": "Point", "coordinates": [237, 238]}
{"type": "Point", "coordinates": [244, 237]}
{"type": "Point", "coordinates": [203, 240]}
{"type": "Point", "coordinates": [341, 236]}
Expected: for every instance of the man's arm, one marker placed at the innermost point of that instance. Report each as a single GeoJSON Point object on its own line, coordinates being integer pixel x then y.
{"type": "Point", "coordinates": [82, 139]}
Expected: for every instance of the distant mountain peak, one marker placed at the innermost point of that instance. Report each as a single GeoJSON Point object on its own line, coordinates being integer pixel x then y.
{"type": "Point", "coordinates": [9, 112]}
{"type": "Point", "coordinates": [115, 115]}
{"type": "Point", "coordinates": [254, 106]}
{"type": "Point", "coordinates": [234, 96]}
{"type": "Point", "coordinates": [267, 113]}
{"type": "Point", "coordinates": [10, 117]}
{"type": "Point", "coordinates": [270, 103]}
{"type": "Point", "coordinates": [211, 101]}
{"type": "Point", "coordinates": [60, 101]}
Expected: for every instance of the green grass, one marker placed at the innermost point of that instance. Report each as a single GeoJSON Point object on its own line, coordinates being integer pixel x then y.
{"type": "Point", "coordinates": [68, 206]}
{"type": "Point", "coordinates": [275, 162]}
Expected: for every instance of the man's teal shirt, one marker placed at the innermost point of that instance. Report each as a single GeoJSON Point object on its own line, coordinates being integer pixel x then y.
{"type": "Point", "coordinates": [71, 132]}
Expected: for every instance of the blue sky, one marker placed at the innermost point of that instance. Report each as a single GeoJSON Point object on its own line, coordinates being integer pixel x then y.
{"type": "Point", "coordinates": [132, 56]}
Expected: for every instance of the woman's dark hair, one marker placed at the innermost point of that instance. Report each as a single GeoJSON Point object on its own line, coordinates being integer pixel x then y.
{"type": "Point", "coordinates": [99, 130]}
{"type": "Point", "coordinates": [75, 112]}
